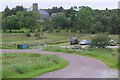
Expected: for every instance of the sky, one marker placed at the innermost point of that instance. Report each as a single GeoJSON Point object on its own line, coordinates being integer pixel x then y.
{"type": "Point", "coordinates": [45, 4]}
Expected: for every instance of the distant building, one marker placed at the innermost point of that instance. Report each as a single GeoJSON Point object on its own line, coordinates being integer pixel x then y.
{"type": "Point", "coordinates": [53, 14]}
{"type": "Point", "coordinates": [119, 5]}
{"type": "Point", "coordinates": [44, 15]}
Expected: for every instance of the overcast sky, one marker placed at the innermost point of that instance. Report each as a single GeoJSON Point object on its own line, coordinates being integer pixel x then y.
{"type": "Point", "coordinates": [45, 4]}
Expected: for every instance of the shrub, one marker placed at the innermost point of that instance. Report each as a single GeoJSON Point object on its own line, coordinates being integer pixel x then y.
{"type": "Point", "coordinates": [27, 34]}
{"type": "Point", "coordinates": [100, 40]}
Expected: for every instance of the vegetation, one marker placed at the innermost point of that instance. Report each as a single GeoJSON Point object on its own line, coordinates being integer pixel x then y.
{"type": "Point", "coordinates": [14, 65]}
{"type": "Point", "coordinates": [10, 40]}
{"type": "Point", "coordinates": [82, 19]}
{"type": "Point", "coordinates": [108, 56]}
{"type": "Point", "coordinates": [10, 23]}
{"type": "Point", "coordinates": [100, 40]}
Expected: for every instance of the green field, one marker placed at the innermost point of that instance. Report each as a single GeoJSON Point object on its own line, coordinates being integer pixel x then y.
{"type": "Point", "coordinates": [28, 65]}
{"type": "Point", "coordinates": [10, 39]}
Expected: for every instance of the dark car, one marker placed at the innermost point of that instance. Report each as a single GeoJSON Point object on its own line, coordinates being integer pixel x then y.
{"type": "Point", "coordinates": [73, 41]}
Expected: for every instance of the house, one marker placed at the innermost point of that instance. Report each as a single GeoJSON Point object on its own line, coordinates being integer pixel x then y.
{"type": "Point", "coordinates": [44, 15]}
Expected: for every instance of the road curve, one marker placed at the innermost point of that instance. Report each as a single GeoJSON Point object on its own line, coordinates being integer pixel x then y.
{"type": "Point", "coordinates": [79, 66]}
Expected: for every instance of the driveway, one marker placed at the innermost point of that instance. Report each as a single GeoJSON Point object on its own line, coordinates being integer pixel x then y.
{"type": "Point", "coordinates": [79, 66]}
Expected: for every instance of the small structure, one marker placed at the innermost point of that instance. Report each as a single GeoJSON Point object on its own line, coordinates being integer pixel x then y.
{"type": "Point", "coordinates": [73, 40]}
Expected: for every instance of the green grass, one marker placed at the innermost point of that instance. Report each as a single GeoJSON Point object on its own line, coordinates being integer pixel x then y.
{"type": "Point", "coordinates": [8, 46]}
{"type": "Point", "coordinates": [108, 56]}
{"type": "Point", "coordinates": [54, 38]}
{"type": "Point", "coordinates": [28, 65]}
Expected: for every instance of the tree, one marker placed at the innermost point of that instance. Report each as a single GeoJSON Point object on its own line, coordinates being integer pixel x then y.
{"type": "Point", "coordinates": [7, 12]}
{"type": "Point", "coordinates": [47, 26]}
{"type": "Point", "coordinates": [10, 23]}
{"type": "Point", "coordinates": [17, 8]}
{"type": "Point", "coordinates": [60, 21]}
{"type": "Point", "coordinates": [28, 19]}
{"type": "Point", "coordinates": [100, 40]}
{"type": "Point", "coordinates": [85, 20]}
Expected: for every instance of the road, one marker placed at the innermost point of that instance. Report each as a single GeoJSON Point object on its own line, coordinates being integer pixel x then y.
{"type": "Point", "coordinates": [79, 66]}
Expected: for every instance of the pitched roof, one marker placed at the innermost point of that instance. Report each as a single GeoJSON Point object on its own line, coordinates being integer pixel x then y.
{"type": "Point", "coordinates": [43, 12]}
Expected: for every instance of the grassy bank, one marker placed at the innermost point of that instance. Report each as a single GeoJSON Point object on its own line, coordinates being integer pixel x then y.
{"type": "Point", "coordinates": [108, 56]}
{"type": "Point", "coordinates": [28, 65]}
{"type": "Point", "coordinates": [10, 39]}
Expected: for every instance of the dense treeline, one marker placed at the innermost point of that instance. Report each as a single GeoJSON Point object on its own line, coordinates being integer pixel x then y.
{"type": "Point", "coordinates": [19, 18]}
{"type": "Point", "coordinates": [82, 19]}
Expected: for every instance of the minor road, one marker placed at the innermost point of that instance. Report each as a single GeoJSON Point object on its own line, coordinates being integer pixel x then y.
{"type": "Point", "coordinates": [79, 66]}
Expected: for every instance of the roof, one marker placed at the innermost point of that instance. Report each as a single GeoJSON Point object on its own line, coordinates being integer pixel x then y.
{"type": "Point", "coordinates": [53, 14]}
{"type": "Point", "coordinates": [43, 12]}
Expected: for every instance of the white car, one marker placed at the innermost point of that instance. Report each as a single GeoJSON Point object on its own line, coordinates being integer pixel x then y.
{"type": "Point", "coordinates": [85, 42]}
{"type": "Point", "coordinates": [112, 43]}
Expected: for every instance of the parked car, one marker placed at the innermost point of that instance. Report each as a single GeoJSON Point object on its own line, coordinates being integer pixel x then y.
{"type": "Point", "coordinates": [112, 43]}
{"type": "Point", "coordinates": [85, 42]}
{"type": "Point", "coordinates": [73, 41]}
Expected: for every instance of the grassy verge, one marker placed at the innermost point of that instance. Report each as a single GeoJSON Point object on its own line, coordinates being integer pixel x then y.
{"type": "Point", "coordinates": [26, 65]}
{"type": "Point", "coordinates": [108, 56]}
{"type": "Point", "coordinates": [5, 46]}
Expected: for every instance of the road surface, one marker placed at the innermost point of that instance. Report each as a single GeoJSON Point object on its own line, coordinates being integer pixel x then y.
{"type": "Point", "coordinates": [79, 66]}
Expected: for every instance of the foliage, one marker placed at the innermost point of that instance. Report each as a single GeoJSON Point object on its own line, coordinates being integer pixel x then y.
{"type": "Point", "coordinates": [14, 65]}
{"type": "Point", "coordinates": [47, 26]}
{"type": "Point", "coordinates": [39, 35]}
{"type": "Point", "coordinates": [28, 34]}
{"type": "Point", "coordinates": [83, 19]}
{"type": "Point", "coordinates": [17, 8]}
{"type": "Point", "coordinates": [55, 10]}
{"type": "Point", "coordinates": [100, 40]}
{"type": "Point", "coordinates": [7, 12]}
{"type": "Point", "coordinates": [28, 19]}
{"type": "Point", "coordinates": [11, 23]}
{"type": "Point", "coordinates": [59, 21]}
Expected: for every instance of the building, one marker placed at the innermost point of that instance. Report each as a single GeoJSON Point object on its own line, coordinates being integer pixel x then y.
{"type": "Point", "coordinates": [44, 15]}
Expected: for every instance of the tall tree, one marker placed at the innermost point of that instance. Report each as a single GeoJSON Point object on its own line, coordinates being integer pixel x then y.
{"type": "Point", "coordinates": [7, 12]}
{"type": "Point", "coordinates": [10, 23]}
{"type": "Point", "coordinates": [85, 20]}
{"type": "Point", "coordinates": [28, 19]}
{"type": "Point", "coordinates": [17, 8]}
{"type": "Point", "coordinates": [60, 21]}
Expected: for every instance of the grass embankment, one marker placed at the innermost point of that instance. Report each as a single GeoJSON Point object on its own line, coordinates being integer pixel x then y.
{"type": "Point", "coordinates": [28, 65]}
{"type": "Point", "coordinates": [108, 56]}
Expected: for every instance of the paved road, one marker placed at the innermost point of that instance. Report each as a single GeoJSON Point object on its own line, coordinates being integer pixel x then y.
{"type": "Point", "coordinates": [79, 66]}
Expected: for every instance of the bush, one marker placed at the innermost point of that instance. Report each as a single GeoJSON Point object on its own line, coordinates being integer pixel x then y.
{"type": "Point", "coordinates": [100, 40]}
{"type": "Point", "coordinates": [27, 34]}
{"type": "Point", "coordinates": [37, 35]}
